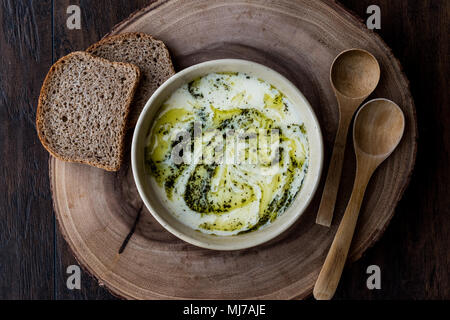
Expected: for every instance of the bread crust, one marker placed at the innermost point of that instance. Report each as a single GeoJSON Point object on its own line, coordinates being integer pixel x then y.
{"type": "Point", "coordinates": [132, 35]}
{"type": "Point", "coordinates": [43, 95]}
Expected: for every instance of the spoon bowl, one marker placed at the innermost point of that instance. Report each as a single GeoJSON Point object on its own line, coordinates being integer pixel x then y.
{"type": "Point", "coordinates": [378, 128]}
{"type": "Point", "coordinates": [355, 73]}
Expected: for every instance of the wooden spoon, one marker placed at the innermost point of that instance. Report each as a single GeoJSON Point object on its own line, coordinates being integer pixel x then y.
{"type": "Point", "coordinates": [378, 129]}
{"type": "Point", "coordinates": [354, 75]}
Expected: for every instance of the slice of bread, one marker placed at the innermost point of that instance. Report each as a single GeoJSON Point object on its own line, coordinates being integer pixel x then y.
{"type": "Point", "coordinates": [142, 50]}
{"type": "Point", "coordinates": [83, 108]}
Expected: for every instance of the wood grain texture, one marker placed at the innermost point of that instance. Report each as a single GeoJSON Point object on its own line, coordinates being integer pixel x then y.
{"type": "Point", "coordinates": [299, 39]}
{"type": "Point", "coordinates": [26, 218]}
{"type": "Point", "coordinates": [413, 254]}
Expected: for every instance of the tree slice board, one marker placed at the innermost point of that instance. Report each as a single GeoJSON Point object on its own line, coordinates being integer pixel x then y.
{"type": "Point", "coordinates": [96, 209]}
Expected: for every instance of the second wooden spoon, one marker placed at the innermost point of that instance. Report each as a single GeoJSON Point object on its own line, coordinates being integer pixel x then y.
{"type": "Point", "coordinates": [378, 129]}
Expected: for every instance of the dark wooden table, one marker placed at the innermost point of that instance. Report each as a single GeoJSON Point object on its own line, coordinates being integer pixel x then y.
{"type": "Point", "coordinates": [414, 252]}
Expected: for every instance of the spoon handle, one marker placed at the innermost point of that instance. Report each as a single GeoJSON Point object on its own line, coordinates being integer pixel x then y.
{"type": "Point", "coordinates": [330, 274]}
{"type": "Point", "coordinates": [328, 201]}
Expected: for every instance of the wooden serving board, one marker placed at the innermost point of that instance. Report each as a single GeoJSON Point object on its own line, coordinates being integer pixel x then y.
{"type": "Point", "coordinates": [97, 209]}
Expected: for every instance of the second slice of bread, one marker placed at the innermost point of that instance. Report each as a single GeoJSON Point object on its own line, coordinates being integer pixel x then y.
{"type": "Point", "coordinates": [83, 108]}
{"type": "Point", "coordinates": [144, 51]}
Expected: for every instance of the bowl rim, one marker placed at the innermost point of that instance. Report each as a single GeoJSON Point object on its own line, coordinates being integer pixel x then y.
{"type": "Point", "coordinates": [138, 179]}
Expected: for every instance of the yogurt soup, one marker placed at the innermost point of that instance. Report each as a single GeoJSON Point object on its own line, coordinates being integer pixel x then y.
{"type": "Point", "coordinates": [227, 153]}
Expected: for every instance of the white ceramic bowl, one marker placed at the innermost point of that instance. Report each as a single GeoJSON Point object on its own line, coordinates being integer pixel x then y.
{"type": "Point", "coordinates": [281, 223]}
